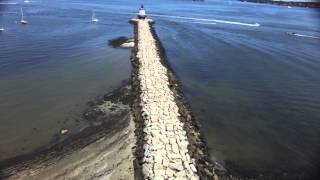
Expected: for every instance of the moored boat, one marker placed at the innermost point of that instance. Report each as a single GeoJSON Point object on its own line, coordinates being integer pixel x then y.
{"type": "Point", "coordinates": [23, 21]}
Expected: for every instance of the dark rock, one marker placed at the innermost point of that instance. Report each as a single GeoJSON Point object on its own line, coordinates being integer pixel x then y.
{"type": "Point", "coordinates": [117, 42]}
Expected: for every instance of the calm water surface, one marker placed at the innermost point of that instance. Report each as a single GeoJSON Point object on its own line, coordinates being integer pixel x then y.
{"type": "Point", "coordinates": [254, 89]}
{"type": "Point", "coordinates": [50, 69]}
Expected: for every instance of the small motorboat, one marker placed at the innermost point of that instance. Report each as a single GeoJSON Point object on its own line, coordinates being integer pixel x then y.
{"type": "Point", "coordinates": [1, 29]}
{"type": "Point", "coordinates": [26, 1]}
{"type": "Point", "coordinates": [93, 17]}
{"type": "Point", "coordinates": [291, 33]}
{"type": "Point", "coordinates": [23, 21]}
{"type": "Point", "coordinates": [142, 12]}
{"type": "Point", "coordinates": [302, 35]}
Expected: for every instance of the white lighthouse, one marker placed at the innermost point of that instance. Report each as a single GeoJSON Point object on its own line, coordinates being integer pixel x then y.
{"type": "Point", "coordinates": [142, 12]}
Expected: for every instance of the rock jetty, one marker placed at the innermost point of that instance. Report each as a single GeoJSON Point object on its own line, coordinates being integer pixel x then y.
{"type": "Point", "coordinates": [165, 153]}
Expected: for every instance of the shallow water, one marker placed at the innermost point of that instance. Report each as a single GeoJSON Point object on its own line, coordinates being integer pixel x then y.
{"type": "Point", "coordinates": [253, 88]}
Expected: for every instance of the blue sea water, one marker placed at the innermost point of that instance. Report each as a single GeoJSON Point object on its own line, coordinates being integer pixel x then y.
{"type": "Point", "coordinates": [254, 89]}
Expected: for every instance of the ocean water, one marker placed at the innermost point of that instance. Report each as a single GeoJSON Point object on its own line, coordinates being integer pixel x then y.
{"type": "Point", "coordinates": [51, 67]}
{"type": "Point", "coordinates": [254, 89]}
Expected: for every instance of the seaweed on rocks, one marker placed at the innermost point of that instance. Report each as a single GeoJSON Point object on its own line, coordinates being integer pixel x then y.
{"type": "Point", "coordinates": [136, 109]}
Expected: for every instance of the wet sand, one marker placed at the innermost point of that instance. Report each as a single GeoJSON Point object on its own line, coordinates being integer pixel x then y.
{"type": "Point", "coordinates": [102, 151]}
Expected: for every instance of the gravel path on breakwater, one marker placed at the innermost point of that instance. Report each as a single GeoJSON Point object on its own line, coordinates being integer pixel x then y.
{"type": "Point", "coordinates": [166, 145]}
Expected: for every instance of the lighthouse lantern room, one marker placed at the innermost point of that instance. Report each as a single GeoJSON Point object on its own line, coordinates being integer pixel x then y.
{"type": "Point", "coordinates": [142, 12]}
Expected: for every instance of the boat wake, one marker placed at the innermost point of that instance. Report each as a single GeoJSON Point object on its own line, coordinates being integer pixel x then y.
{"type": "Point", "coordinates": [7, 3]}
{"type": "Point", "coordinates": [307, 36]}
{"type": "Point", "coordinates": [195, 22]}
{"type": "Point", "coordinates": [208, 20]}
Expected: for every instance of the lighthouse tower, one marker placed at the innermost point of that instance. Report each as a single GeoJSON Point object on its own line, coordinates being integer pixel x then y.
{"type": "Point", "coordinates": [142, 12]}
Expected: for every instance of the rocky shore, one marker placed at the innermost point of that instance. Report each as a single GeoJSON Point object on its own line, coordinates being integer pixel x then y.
{"type": "Point", "coordinates": [121, 42]}
{"type": "Point", "coordinates": [169, 145]}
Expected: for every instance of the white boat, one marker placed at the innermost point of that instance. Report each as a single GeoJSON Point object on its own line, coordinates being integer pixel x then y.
{"type": "Point", "coordinates": [26, 1]}
{"type": "Point", "coordinates": [22, 21]}
{"type": "Point", "coordinates": [1, 29]}
{"type": "Point", "coordinates": [93, 18]}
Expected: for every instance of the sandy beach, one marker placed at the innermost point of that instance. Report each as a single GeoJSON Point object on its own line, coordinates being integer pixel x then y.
{"type": "Point", "coordinates": [103, 151]}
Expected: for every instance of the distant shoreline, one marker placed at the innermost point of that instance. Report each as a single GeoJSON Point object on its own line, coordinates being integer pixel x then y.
{"type": "Point", "coordinates": [287, 3]}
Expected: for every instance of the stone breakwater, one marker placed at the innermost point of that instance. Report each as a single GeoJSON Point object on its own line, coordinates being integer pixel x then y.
{"type": "Point", "coordinates": [166, 148]}
{"type": "Point", "coordinates": [165, 143]}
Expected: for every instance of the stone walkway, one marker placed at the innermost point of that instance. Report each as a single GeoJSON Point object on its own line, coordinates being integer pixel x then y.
{"type": "Point", "coordinates": [165, 152]}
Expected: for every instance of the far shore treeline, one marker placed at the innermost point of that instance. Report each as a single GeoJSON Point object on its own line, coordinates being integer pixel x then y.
{"type": "Point", "coordinates": [301, 3]}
